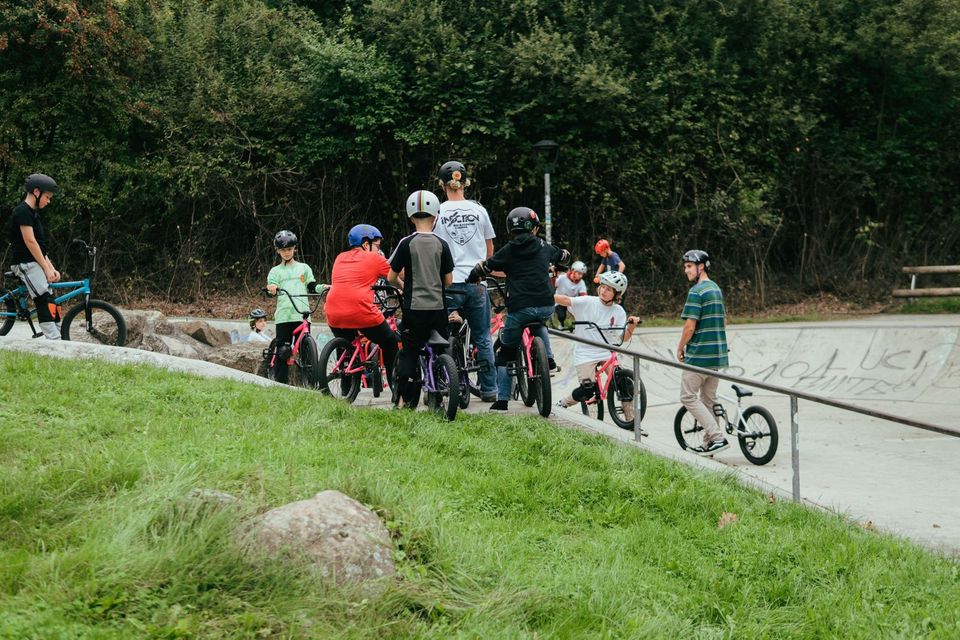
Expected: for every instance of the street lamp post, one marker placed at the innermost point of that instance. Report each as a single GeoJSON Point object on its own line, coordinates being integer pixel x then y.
{"type": "Point", "coordinates": [548, 150]}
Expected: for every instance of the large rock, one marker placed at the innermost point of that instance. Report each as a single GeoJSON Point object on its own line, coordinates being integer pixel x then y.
{"type": "Point", "coordinates": [151, 331]}
{"type": "Point", "coordinates": [345, 541]}
{"type": "Point", "coordinates": [203, 332]}
{"type": "Point", "coordinates": [243, 356]}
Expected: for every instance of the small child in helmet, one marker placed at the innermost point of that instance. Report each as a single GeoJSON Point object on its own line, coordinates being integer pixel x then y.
{"type": "Point", "coordinates": [570, 284]}
{"type": "Point", "coordinates": [605, 311]}
{"type": "Point", "coordinates": [425, 263]}
{"type": "Point", "coordinates": [258, 322]}
{"type": "Point", "coordinates": [525, 260]}
{"type": "Point", "coordinates": [296, 278]}
{"type": "Point", "coordinates": [609, 260]}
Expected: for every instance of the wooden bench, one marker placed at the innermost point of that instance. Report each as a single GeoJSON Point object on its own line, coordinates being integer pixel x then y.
{"type": "Point", "coordinates": [932, 292]}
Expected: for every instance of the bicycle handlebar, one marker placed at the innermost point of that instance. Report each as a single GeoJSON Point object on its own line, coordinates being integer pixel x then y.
{"type": "Point", "coordinates": [601, 330]}
{"type": "Point", "coordinates": [291, 296]}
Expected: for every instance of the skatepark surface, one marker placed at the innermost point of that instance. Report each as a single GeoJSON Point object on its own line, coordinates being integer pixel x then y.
{"type": "Point", "coordinates": [882, 474]}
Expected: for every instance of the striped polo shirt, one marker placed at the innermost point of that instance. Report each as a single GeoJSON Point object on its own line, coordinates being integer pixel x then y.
{"type": "Point", "coordinates": [708, 346]}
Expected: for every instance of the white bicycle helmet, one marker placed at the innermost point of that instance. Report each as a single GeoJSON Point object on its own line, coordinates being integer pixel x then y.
{"type": "Point", "coordinates": [423, 202]}
{"type": "Point", "coordinates": [615, 280]}
{"type": "Point", "coordinates": [579, 267]}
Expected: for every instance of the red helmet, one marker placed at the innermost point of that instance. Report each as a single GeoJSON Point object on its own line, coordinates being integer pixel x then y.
{"type": "Point", "coordinates": [601, 246]}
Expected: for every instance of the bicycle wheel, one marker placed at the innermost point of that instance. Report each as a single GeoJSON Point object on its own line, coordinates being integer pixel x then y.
{"type": "Point", "coordinates": [9, 312]}
{"type": "Point", "coordinates": [593, 406]}
{"type": "Point", "coordinates": [459, 357]}
{"type": "Point", "coordinates": [332, 380]}
{"type": "Point", "coordinates": [688, 431]}
{"type": "Point", "coordinates": [540, 384]}
{"type": "Point", "coordinates": [620, 391]}
{"type": "Point", "coordinates": [523, 387]}
{"type": "Point", "coordinates": [445, 400]}
{"type": "Point", "coordinates": [106, 325]}
{"type": "Point", "coordinates": [308, 362]}
{"type": "Point", "coordinates": [759, 442]}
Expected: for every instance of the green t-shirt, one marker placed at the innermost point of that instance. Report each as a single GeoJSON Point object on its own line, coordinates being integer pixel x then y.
{"type": "Point", "coordinates": [294, 278]}
{"type": "Point", "coordinates": [708, 346]}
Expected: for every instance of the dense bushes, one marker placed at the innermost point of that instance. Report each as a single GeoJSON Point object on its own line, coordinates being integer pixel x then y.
{"type": "Point", "coordinates": [812, 142]}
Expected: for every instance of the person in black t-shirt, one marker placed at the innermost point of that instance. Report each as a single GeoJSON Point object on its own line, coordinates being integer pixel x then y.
{"type": "Point", "coordinates": [526, 261]}
{"type": "Point", "coordinates": [427, 267]}
{"type": "Point", "coordinates": [28, 245]}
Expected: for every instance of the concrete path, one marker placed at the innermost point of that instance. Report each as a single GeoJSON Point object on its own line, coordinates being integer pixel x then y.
{"type": "Point", "coordinates": [898, 478]}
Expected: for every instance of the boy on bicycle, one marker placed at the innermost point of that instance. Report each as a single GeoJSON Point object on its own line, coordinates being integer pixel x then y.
{"type": "Point", "coordinates": [571, 285]}
{"type": "Point", "coordinates": [350, 301]}
{"type": "Point", "coordinates": [526, 261]}
{"type": "Point", "coordinates": [427, 267]}
{"type": "Point", "coordinates": [29, 259]}
{"type": "Point", "coordinates": [297, 279]}
{"type": "Point", "coordinates": [604, 310]}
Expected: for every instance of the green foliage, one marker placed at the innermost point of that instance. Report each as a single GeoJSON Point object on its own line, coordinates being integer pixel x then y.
{"type": "Point", "coordinates": [814, 141]}
{"type": "Point", "coordinates": [503, 528]}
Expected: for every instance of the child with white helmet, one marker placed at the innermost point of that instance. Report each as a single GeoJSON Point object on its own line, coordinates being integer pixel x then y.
{"type": "Point", "coordinates": [605, 311]}
{"type": "Point", "coordinates": [570, 284]}
{"type": "Point", "coordinates": [426, 264]}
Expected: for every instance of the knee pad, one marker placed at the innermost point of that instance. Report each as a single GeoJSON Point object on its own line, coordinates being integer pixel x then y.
{"type": "Point", "coordinates": [284, 351]}
{"type": "Point", "coordinates": [47, 310]}
{"type": "Point", "coordinates": [505, 355]}
{"type": "Point", "coordinates": [585, 391]}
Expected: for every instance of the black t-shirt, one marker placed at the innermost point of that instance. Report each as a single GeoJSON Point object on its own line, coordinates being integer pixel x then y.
{"type": "Point", "coordinates": [425, 259]}
{"type": "Point", "coordinates": [24, 216]}
{"type": "Point", "coordinates": [526, 260]}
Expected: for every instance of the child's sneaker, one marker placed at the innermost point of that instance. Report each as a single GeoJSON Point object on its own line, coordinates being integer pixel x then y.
{"type": "Point", "coordinates": [499, 405]}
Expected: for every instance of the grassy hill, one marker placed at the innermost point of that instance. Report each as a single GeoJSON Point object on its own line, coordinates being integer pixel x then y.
{"type": "Point", "coordinates": [504, 527]}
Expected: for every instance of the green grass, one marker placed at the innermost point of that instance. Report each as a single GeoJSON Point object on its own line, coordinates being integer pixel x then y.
{"type": "Point", "coordinates": [929, 305]}
{"type": "Point", "coordinates": [504, 527]}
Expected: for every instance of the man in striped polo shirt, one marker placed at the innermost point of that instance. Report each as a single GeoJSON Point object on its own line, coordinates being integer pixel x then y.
{"type": "Point", "coordinates": [703, 343]}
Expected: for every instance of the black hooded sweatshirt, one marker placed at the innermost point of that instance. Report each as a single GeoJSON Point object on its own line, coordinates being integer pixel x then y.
{"type": "Point", "coordinates": [526, 260]}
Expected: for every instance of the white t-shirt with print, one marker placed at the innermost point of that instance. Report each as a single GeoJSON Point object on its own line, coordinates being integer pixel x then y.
{"type": "Point", "coordinates": [566, 287]}
{"type": "Point", "coordinates": [466, 227]}
{"type": "Point", "coordinates": [590, 309]}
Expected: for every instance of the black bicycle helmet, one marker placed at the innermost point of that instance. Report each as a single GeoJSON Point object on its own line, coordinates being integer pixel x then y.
{"type": "Point", "coordinates": [696, 256]}
{"type": "Point", "coordinates": [40, 181]}
{"type": "Point", "coordinates": [258, 313]}
{"type": "Point", "coordinates": [452, 170]}
{"type": "Point", "coordinates": [522, 219]}
{"type": "Point", "coordinates": [285, 239]}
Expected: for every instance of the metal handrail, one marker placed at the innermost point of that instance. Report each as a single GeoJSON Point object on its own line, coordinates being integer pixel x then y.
{"type": "Point", "coordinates": [792, 393]}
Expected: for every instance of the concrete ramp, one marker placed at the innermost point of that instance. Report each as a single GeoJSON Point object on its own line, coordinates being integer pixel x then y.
{"type": "Point", "coordinates": [885, 475]}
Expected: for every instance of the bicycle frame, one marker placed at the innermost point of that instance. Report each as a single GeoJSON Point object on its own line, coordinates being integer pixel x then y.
{"type": "Point", "coordinates": [737, 424]}
{"type": "Point", "coordinates": [301, 330]}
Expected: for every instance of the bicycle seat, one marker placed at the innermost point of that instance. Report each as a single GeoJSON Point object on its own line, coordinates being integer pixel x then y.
{"type": "Point", "coordinates": [437, 341]}
{"type": "Point", "coordinates": [740, 391]}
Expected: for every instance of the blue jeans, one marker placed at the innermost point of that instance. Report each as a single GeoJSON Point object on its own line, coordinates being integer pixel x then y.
{"type": "Point", "coordinates": [510, 338]}
{"type": "Point", "coordinates": [474, 307]}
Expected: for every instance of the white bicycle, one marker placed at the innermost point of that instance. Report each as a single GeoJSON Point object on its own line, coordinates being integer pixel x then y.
{"type": "Point", "coordinates": [755, 428]}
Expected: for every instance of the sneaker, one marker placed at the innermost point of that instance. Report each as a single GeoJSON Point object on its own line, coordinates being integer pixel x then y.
{"type": "Point", "coordinates": [712, 448]}
{"type": "Point", "coordinates": [554, 367]}
{"type": "Point", "coordinates": [563, 404]}
{"type": "Point", "coordinates": [499, 405]}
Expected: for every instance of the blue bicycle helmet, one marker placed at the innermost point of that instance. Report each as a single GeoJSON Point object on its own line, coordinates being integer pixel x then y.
{"type": "Point", "coordinates": [362, 233]}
